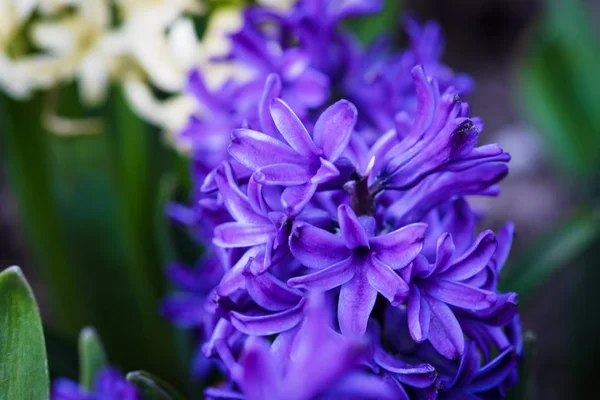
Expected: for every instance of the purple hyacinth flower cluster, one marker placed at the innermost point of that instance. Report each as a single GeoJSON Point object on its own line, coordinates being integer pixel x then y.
{"type": "Point", "coordinates": [109, 385]}
{"type": "Point", "coordinates": [343, 259]}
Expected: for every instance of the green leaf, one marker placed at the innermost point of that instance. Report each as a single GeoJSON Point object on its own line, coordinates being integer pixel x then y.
{"type": "Point", "coordinates": [557, 85]}
{"type": "Point", "coordinates": [88, 203]}
{"type": "Point", "coordinates": [91, 357]}
{"type": "Point", "coordinates": [368, 28]}
{"type": "Point", "coordinates": [23, 364]}
{"type": "Point", "coordinates": [555, 250]}
{"type": "Point", "coordinates": [139, 160]}
{"type": "Point", "coordinates": [151, 387]}
{"type": "Point", "coordinates": [27, 156]}
{"type": "Point", "coordinates": [525, 387]}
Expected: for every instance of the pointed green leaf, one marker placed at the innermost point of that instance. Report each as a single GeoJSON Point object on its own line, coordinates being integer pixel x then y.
{"type": "Point", "coordinates": [91, 357]}
{"type": "Point", "coordinates": [151, 387]}
{"type": "Point", "coordinates": [551, 253]}
{"type": "Point", "coordinates": [23, 364]}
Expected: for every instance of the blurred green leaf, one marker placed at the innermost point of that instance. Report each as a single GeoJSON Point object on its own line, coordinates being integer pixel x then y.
{"type": "Point", "coordinates": [525, 387]}
{"type": "Point", "coordinates": [151, 387]}
{"type": "Point", "coordinates": [139, 160]}
{"type": "Point", "coordinates": [166, 193]}
{"type": "Point", "coordinates": [558, 85]}
{"type": "Point", "coordinates": [23, 364]}
{"type": "Point", "coordinates": [27, 157]}
{"type": "Point", "coordinates": [370, 27]}
{"type": "Point", "coordinates": [88, 202]}
{"type": "Point", "coordinates": [550, 253]}
{"type": "Point", "coordinates": [91, 357]}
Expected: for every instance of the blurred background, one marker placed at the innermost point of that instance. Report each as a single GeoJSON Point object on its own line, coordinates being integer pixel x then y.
{"type": "Point", "coordinates": [536, 65]}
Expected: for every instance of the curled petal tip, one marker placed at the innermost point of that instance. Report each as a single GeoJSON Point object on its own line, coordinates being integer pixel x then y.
{"type": "Point", "coordinates": [418, 71]}
{"type": "Point", "coordinates": [259, 177]}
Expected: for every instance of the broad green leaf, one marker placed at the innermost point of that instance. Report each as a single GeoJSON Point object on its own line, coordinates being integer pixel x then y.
{"type": "Point", "coordinates": [546, 257]}
{"type": "Point", "coordinates": [91, 357]}
{"type": "Point", "coordinates": [23, 364]}
{"type": "Point", "coordinates": [557, 85]}
{"type": "Point", "coordinates": [151, 387]}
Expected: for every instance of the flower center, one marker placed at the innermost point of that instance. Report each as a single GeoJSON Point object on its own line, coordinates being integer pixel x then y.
{"type": "Point", "coordinates": [362, 201]}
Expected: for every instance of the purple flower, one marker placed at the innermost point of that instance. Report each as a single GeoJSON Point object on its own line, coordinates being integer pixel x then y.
{"type": "Point", "coordinates": [407, 373]}
{"type": "Point", "coordinates": [427, 47]}
{"type": "Point", "coordinates": [435, 190]}
{"type": "Point", "coordinates": [474, 381]}
{"type": "Point", "coordinates": [351, 199]}
{"type": "Point", "coordinates": [360, 262]}
{"type": "Point", "coordinates": [316, 25]}
{"type": "Point", "coordinates": [441, 137]}
{"type": "Point", "coordinates": [380, 82]}
{"type": "Point", "coordinates": [307, 362]}
{"type": "Point", "coordinates": [109, 385]}
{"type": "Point", "coordinates": [435, 287]}
{"type": "Point", "coordinates": [303, 161]}
{"type": "Point", "coordinates": [234, 103]}
{"type": "Point", "coordinates": [303, 86]}
{"type": "Point", "coordinates": [187, 307]}
{"type": "Point", "coordinates": [252, 226]}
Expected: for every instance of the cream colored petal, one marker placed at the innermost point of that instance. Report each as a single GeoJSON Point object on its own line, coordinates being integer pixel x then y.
{"type": "Point", "coordinates": [222, 23]}
{"type": "Point", "coordinates": [177, 110]}
{"type": "Point", "coordinates": [148, 40]}
{"type": "Point", "coordinates": [184, 43]}
{"type": "Point", "coordinates": [281, 5]}
{"type": "Point", "coordinates": [93, 79]}
{"type": "Point", "coordinates": [115, 43]}
{"type": "Point", "coordinates": [13, 80]}
{"type": "Point", "coordinates": [50, 7]}
{"type": "Point", "coordinates": [142, 100]}
{"type": "Point", "coordinates": [24, 8]}
{"type": "Point", "coordinates": [219, 73]}
{"type": "Point", "coordinates": [42, 69]}
{"type": "Point", "coordinates": [171, 114]}
{"type": "Point", "coordinates": [95, 12]}
{"type": "Point", "coordinates": [55, 38]}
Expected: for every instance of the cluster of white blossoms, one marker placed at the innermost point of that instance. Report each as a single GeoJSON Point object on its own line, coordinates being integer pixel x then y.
{"type": "Point", "coordinates": [140, 44]}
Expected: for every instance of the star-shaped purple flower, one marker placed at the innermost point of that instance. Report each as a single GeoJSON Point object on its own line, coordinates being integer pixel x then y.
{"type": "Point", "coordinates": [441, 137]}
{"type": "Point", "coordinates": [360, 262]}
{"type": "Point", "coordinates": [311, 361]}
{"type": "Point", "coordinates": [475, 381]}
{"type": "Point", "coordinates": [434, 288]}
{"type": "Point", "coordinates": [303, 161]}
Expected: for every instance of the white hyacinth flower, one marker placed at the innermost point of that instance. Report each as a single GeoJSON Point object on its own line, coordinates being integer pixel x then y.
{"type": "Point", "coordinates": [155, 45]}
{"type": "Point", "coordinates": [73, 50]}
{"type": "Point", "coordinates": [169, 58]}
{"type": "Point", "coordinates": [13, 15]}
